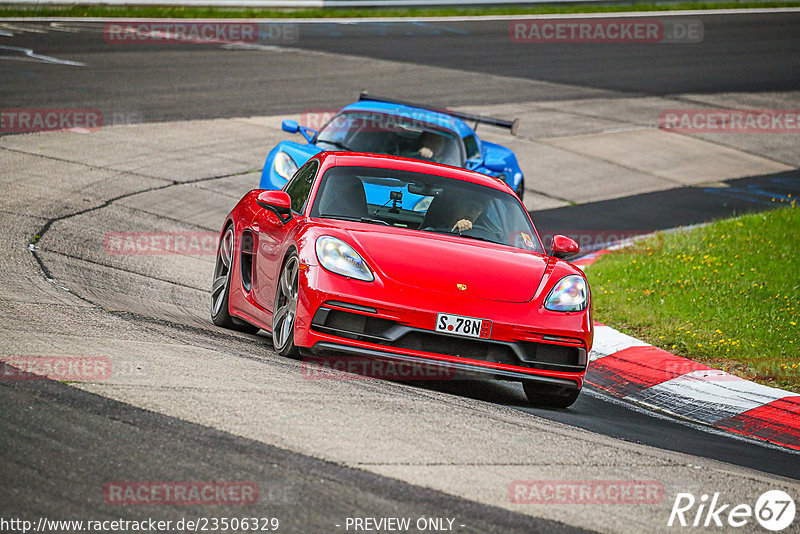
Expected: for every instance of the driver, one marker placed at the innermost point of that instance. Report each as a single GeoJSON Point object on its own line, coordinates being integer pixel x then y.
{"type": "Point", "coordinates": [431, 145]}
{"type": "Point", "coordinates": [465, 213]}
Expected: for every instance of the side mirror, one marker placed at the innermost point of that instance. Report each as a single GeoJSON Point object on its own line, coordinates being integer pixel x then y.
{"type": "Point", "coordinates": [494, 163]}
{"type": "Point", "coordinates": [278, 202]}
{"type": "Point", "coordinates": [290, 126]}
{"type": "Point", "coordinates": [564, 247]}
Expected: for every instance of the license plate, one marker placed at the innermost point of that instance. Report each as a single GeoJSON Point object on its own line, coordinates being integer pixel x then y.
{"type": "Point", "coordinates": [463, 326]}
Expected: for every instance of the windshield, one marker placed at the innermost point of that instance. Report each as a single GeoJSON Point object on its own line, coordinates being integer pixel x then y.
{"type": "Point", "coordinates": [425, 203]}
{"type": "Point", "coordinates": [364, 131]}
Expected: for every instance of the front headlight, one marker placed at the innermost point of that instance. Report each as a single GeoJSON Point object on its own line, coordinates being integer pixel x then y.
{"type": "Point", "coordinates": [338, 257]}
{"type": "Point", "coordinates": [285, 165]}
{"type": "Point", "coordinates": [569, 294]}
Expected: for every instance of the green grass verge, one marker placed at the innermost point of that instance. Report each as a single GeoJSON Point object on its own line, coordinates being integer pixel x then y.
{"type": "Point", "coordinates": [725, 294]}
{"type": "Point", "coordinates": [104, 11]}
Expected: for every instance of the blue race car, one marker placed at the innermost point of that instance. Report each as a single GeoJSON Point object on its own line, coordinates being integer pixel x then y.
{"type": "Point", "coordinates": [398, 128]}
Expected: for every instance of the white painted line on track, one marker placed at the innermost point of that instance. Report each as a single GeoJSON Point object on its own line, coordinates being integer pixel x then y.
{"type": "Point", "coordinates": [26, 54]}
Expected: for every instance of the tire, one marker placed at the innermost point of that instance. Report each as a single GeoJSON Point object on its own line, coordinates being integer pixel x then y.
{"type": "Point", "coordinates": [521, 190]}
{"type": "Point", "coordinates": [221, 286]}
{"type": "Point", "coordinates": [550, 396]}
{"type": "Point", "coordinates": [283, 318]}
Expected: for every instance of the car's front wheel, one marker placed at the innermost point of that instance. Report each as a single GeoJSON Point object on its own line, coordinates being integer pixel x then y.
{"type": "Point", "coordinates": [286, 307]}
{"type": "Point", "coordinates": [221, 286]}
{"type": "Point", "coordinates": [549, 395]}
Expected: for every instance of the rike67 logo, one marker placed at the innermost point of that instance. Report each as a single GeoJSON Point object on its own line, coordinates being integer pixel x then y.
{"type": "Point", "coordinates": [774, 510]}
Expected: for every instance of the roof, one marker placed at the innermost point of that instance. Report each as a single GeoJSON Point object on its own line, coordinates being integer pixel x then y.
{"type": "Point", "coordinates": [429, 116]}
{"type": "Point", "coordinates": [382, 161]}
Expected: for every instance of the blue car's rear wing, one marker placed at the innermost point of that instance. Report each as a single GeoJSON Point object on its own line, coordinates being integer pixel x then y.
{"type": "Point", "coordinates": [501, 123]}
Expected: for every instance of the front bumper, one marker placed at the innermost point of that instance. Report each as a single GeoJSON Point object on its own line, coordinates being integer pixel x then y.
{"type": "Point", "coordinates": [462, 369]}
{"type": "Point", "coordinates": [369, 319]}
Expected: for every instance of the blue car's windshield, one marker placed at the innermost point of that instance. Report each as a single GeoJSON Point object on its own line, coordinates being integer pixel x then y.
{"type": "Point", "coordinates": [424, 202]}
{"type": "Point", "coordinates": [364, 131]}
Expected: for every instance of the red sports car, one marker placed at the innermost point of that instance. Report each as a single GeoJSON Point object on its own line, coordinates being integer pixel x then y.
{"type": "Point", "coordinates": [395, 259]}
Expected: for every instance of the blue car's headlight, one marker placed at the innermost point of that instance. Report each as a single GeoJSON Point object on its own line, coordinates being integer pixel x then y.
{"type": "Point", "coordinates": [285, 165]}
{"type": "Point", "coordinates": [338, 257]}
{"type": "Point", "coordinates": [569, 294]}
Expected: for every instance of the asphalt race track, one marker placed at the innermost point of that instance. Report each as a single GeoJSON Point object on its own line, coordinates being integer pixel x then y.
{"type": "Point", "coordinates": [189, 127]}
{"type": "Point", "coordinates": [168, 82]}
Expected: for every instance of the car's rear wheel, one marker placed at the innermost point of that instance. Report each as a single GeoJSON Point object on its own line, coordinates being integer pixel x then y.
{"type": "Point", "coordinates": [283, 317]}
{"type": "Point", "coordinates": [521, 190]}
{"type": "Point", "coordinates": [221, 286]}
{"type": "Point", "coordinates": [549, 395]}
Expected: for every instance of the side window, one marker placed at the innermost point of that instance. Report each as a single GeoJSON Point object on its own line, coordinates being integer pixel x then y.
{"type": "Point", "coordinates": [300, 185]}
{"type": "Point", "coordinates": [471, 146]}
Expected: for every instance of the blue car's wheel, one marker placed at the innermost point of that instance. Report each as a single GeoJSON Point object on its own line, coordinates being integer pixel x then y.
{"type": "Point", "coordinates": [521, 189]}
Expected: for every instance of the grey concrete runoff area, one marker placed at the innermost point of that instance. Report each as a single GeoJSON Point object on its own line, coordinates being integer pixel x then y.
{"type": "Point", "coordinates": [78, 296]}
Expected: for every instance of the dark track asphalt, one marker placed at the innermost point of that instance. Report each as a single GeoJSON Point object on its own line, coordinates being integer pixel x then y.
{"type": "Point", "coordinates": [738, 53]}
{"type": "Point", "coordinates": [156, 82]}
{"type": "Point", "coordinates": [640, 214]}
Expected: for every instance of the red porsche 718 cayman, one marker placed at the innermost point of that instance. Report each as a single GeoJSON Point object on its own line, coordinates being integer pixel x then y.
{"type": "Point", "coordinates": [390, 258]}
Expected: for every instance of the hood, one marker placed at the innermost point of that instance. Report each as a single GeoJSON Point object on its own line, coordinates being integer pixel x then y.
{"type": "Point", "coordinates": [439, 263]}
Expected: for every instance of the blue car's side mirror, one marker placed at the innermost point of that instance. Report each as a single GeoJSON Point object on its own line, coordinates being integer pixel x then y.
{"type": "Point", "coordinates": [290, 126]}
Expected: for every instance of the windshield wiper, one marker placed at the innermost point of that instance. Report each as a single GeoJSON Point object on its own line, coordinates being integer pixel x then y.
{"type": "Point", "coordinates": [356, 219]}
{"type": "Point", "coordinates": [374, 221]}
{"type": "Point", "coordinates": [337, 144]}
